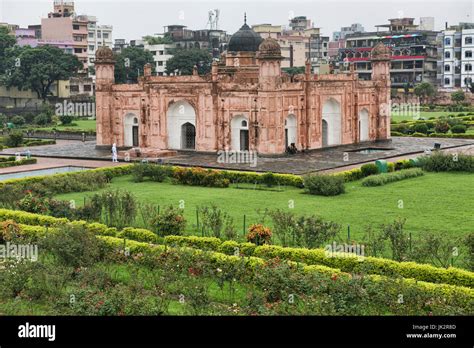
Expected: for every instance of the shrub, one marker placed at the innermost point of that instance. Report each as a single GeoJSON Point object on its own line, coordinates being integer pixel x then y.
{"type": "Point", "coordinates": [18, 120]}
{"type": "Point", "coordinates": [459, 128]}
{"type": "Point", "coordinates": [14, 139]}
{"type": "Point", "coordinates": [216, 222]}
{"type": "Point", "coordinates": [42, 119]}
{"type": "Point", "coordinates": [445, 162]}
{"type": "Point", "coordinates": [369, 169]}
{"type": "Point", "coordinates": [117, 208]}
{"type": "Point", "coordinates": [420, 128]}
{"type": "Point", "coordinates": [65, 119]}
{"type": "Point", "coordinates": [32, 204]}
{"type": "Point", "coordinates": [419, 135]}
{"type": "Point", "coordinates": [259, 234]}
{"type": "Point", "coordinates": [385, 178]}
{"type": "Point", "coordinates": [74, 246]}
{"type": "Point", "coordinates": [200, 177]}
{"type": "Point", "coordinates": [169, 222]}
{"type": "Point", "coordinates": [441, 126]}
{"type": "Point", "coordinates": [325, 185]}
{"type": "Point", "coordinates": [155, 172]}
{"type": "Point", "coordinates": [269, 179]}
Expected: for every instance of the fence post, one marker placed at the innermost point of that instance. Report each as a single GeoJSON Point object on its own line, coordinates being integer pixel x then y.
{"type": "Point", "coordinates": [348, 233]}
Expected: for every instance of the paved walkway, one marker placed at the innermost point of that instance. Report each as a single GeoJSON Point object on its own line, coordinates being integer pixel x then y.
{"type": "Point", "coordinates": [77, 153]}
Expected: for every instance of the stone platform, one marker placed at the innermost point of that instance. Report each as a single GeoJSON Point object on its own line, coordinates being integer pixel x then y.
{"type": "Point", "coordinates": [326, 159]}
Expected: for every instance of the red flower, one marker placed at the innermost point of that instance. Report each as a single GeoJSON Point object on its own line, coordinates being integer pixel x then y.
{"type": "Point", "coordinates": [334, 277]}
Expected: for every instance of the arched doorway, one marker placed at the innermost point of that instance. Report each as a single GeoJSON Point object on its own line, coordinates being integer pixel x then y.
{"type": "Point", "coordinates": [290, 130]}
{"type": "Point", "coordinates": [363, 125]}
{"type": "Point", "coordinates": [332, 116]}
{"type": "Point", "coordinates": [131, 133]}
{"type": "Point", "coordinates": [180, 117]}
{"type": "Point", "coordinates": [240, 133]}
{"type": "Point", "coordinates": [325, 133]}
{"type": "Point", "coordinates": [188, 136]}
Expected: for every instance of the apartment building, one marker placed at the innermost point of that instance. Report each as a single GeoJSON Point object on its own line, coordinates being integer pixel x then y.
{"type": "Point", "coordinates": [456, 56]}
{"type": "Point", "coordinates": [414, 52]}
{"type": "Point", "coordinates": [161, 53]}
{"type": "Point", "coordinates": [299, 42]}
{"type": "Point", "coordinates": [98, 35]}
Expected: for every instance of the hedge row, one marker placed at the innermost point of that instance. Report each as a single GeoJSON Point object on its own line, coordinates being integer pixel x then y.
{"type": "Point", "coordinates": [385, 178]}
{"type": "Point", "coordinates": [14, 163]}
{"type": "Point", "coordinates": [371, 265]}
{"type": "Point", "coordinates": [458, 296]}
{"type": "Point", "coordinates": [68, 178]}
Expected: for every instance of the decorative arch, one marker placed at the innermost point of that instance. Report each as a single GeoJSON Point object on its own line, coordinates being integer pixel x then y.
{"type": "Point", "coordinates": [332, 116]}
{"type": "Point", "coordinates": [179, 114]}
{"type": "Point", "coordinates": [131, 130]}
{"type": "Point", "coordinates": [364, 125]}
{"type": "Point", "coordinates": [240, 140]}
{"type": "Point", "coordinates": [290, 130]}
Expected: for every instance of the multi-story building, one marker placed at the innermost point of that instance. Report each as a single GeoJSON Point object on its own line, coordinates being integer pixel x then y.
{"type": "Point", "coordinates": [63, 25]}
{"type": "Point", "coordinates": [414, 52]}
{"type": "Point", "coordinates": [456, 56]}
{"type": "Point", "coordinates": [98, 35]}
{"type": "Point", "coordinates": [299, 43]}
{"type": "Point", "coordinates": [341, 35]}
{"type": "Point", "coordinates": [213, 40]}
{"type": "Point", "coordinates": [161, 53]}
{"type": "Point", "coordinates": [119, 45]}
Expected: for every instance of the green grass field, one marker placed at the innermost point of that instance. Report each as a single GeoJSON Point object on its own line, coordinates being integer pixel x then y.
{"type": "Point", "coordinates": [441, 202]}
{"type": "Point", "coordinates": [86, 125]}
{"type": "Point", "coordinates": [423, 115]}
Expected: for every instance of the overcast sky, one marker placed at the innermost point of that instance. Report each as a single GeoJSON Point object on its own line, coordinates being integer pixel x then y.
{"type": "Point", "coordinates": [135, 18]}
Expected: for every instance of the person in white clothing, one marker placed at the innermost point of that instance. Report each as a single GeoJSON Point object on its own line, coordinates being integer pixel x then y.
{"type": "Point", "coordinates": [114, 153]}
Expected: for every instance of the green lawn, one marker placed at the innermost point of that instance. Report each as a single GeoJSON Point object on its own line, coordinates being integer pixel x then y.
{"type": "Point", "coordinates": [87, 125]}
{"type": "Point", "coordinates": [396, 117]}
{"type": "Point", "coordinates": [441, 202]}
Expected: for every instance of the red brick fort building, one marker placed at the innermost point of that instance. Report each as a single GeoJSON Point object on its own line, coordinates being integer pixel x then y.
{"type": "Point", "coordinates": [245, 103]}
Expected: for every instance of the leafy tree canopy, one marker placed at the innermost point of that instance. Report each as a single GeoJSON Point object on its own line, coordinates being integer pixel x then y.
{"type": "Point", "coordinates": [458, 96]}
{"type": "Point", "coordinates": [129, 64]}
{"type": "Point", "coordinates": [184, 61]}
{"type": "Point", "coordinates": [424, 89]}
{"type": "Point", "coordinates": [38, 68]}
{"type": "Point", "coordinates": [295, 70]}
{"type": "Point", "coordinates": [157, 40]}
{"type": "Point", "coordinates": [6, 41]}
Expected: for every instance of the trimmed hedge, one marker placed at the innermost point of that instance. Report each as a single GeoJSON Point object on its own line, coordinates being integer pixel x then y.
{"type": "Point", "coordinates": [385, 178]}
{"type": "Point", "coordinates": [458, 296]}
{"type": "Point", "coordinates": [5, 164]}
{"type": "Point", "coordinates": [371, 265]}
{"type": "Point", "coordinates": [447, 162]}
{"type": "Point", "coordinates": [455, 296]}
{"type": "Point", "coordinates": [325, 185]}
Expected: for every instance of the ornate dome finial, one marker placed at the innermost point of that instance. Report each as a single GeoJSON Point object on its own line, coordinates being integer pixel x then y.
{"type": "Point", "coordinates": [245, 17]}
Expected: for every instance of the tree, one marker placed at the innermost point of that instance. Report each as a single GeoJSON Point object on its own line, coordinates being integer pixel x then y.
{"type": "Point", "coordinates": [424, 90]}
{"type": "Point", "coordinates": [38, 68]}
{"type": "Point", "coordinates": [129, 64]}
{"type": "Point", "coordinates": [157, 40]}
{"type": "Point", "coordinates": [458, 96]}
{"type": "Point", "coordinates": [295, 70]}
{"type": "Point", "coordinates": [184, 61]}
{"type": "Point", "coordinates": [6, 41]}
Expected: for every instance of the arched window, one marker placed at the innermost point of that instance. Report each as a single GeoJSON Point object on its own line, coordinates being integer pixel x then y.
{"type": "Point", "coordinates": [447, 54]}
{"type": "Point", "coordinates": [244, 123]}
{"type": "Point", "coordinates": [468, 54]}
{"type": "Point", "coordinates": [468, 40]}
{"type": "Point", "coordinates": [447, 68]}
{"type": "Point", "coordinates": [447, 81]}
{"type": "Point", "coordinates": [447, 41]}
{"type": "Point", "coordinates": [135, 120]}
{"type": "Point", "coordinates": [468, 67]}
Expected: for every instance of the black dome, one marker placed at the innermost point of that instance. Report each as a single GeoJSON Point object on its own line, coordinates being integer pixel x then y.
{"type": "Point", "coordinates": [244, 40]}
